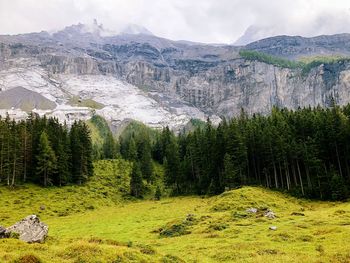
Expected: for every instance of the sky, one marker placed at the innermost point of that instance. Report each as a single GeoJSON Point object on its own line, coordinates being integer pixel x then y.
{"type": "Point", "coordinates": [207, 21]}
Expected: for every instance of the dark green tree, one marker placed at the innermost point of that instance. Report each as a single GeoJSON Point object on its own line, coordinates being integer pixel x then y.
{"type": "Point", "coordinates": [136, 183]}
{"type": "Point", "coordinates": [46, 160]}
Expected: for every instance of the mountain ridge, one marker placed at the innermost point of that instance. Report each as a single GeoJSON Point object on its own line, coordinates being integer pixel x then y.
{"type": "Point", "coordinates": [179, 80]}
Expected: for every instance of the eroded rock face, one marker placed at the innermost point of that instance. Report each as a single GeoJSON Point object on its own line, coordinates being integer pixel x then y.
{"type": "Point", "coordinates": [29, 230]}
{"type": "Point", "coordinates": [213, 78]}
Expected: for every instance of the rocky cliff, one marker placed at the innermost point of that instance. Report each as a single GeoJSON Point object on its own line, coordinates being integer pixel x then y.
{"type": "Point", "coordinates": [187, 79]}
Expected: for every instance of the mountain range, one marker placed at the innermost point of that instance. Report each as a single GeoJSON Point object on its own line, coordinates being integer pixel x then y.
{"type": "Point", "coordinates": [84, 70]}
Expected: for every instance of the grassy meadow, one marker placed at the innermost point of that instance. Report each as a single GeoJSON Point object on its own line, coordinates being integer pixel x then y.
{"type": "Point", "coordinates": [98, 222]}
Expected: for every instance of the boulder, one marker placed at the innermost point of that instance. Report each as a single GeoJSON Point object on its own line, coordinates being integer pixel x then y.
{"type": "Point", "coordinates": [30, 230]}
{"type": "Point", "coordinates": [274, 228]}
{"type": "Point", "coordinates": [269, 214]}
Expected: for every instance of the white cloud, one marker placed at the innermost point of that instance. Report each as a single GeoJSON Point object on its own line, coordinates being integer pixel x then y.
{"type": "Point", "coordinates": [196, 20]}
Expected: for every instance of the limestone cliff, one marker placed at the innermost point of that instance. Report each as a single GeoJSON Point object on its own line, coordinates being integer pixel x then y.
{"type": "Point", "coordinates": [211, 78]}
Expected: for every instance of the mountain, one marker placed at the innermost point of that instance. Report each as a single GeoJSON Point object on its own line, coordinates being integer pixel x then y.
{"type": "Point", "coordinates": [87, 70]}
{"type": "Point", "coordinates": [253, 33]}
{"type": "Point", "coordinates": [26, 100]}
{"type": "Point", "coordinates": [133, 29]}
{"type": "Point", "coordinates": [293, 47]}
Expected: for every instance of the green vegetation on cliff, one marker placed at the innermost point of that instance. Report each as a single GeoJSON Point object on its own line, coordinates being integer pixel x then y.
{"type": "Point", "coordinates": [305, 63]}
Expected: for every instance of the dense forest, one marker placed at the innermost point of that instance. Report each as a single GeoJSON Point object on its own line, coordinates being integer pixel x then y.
{"type": "Point", "coordinates": [43, 151]}
{"type": "Point", "coordinates": [305, 152]}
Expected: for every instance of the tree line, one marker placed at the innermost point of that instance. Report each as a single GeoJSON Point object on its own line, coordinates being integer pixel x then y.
{"type": "Point", "coordinates": [305, 152]}
{"type": "Point", "coordinates": [45, 152]}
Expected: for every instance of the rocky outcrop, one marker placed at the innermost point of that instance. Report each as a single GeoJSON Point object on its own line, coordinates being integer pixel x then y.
{"type": "Point", "coordinates": [29, 230]}
{"type": "Point", "coordinates": [295, 46]}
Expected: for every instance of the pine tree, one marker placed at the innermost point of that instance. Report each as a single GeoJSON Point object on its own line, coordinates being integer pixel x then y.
{"type": "Point", "coordinates": [46, 160]}
{"type": "Point", "coordinates": [136, 183]}
{"type": "Point", "coordinates": [145, 156]}
{"type": "Point", "coordinates": [232, 178]}
{"type": "Point", "coordinates": [158, 193]}
{"type": "Point", "coordinates": [132, 150]}
{"type": "Point", "coordinates": [63, 160]}
{"type": "Point", "coordinates": [110, 150]}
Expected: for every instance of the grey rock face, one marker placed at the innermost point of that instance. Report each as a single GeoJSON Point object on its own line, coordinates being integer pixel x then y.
{"type": "Point", "coordinates": [210, 77]}
{"type": "Point", "coordinates": [296, 46]}
{"type": "Point", "coordinates": [30, 230]}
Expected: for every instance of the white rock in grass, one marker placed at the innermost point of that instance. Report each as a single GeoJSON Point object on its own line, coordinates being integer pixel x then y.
{"type": "Point", "coordinates": [252, 210]}
{"type": "Point", "coordinates": [30, 230]}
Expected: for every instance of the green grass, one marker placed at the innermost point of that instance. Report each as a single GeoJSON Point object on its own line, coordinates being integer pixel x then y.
{"type": "Point", "coordinates": [306, 64]}
{"type": "Point", "coordinates": [99, 223]}
{"type": "Point", "coordinates": [273, 60]}
{"type": "Point", "coordinates": [75, 101]}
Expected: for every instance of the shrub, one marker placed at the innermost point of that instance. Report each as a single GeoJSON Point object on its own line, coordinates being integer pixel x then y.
{"type": "Point", "coordinates": [338, 188]}
{"type": "Point", "coordinates": [174, 230]}
{"type": "Point", "coordinates": [28, 259]}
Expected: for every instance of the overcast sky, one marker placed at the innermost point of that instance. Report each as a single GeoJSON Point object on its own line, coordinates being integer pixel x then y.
{"type": "Point", "coordinates": [211, 21]}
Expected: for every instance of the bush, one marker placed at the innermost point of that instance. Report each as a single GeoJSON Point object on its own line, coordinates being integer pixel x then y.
{"type": "Point", "coordinates": [174, 230]}
{"type": "Point", "coordinates": [338, 188]}
{"type": "Point", "coordinates": [28, 259]}
{"type": "Point", "coordinates": [158, 193]}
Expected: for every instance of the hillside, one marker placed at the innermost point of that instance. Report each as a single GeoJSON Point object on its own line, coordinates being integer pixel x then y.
{"type": "Point", "coordinates": [94, 223]}
{"type": "Point", "coordinates": [26, 100]}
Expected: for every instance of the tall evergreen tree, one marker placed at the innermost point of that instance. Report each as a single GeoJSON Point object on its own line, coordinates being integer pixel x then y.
{"type": "Point", "coordinates": [136, 183]}
{"type": "Point", "coordinates": [46, 160]}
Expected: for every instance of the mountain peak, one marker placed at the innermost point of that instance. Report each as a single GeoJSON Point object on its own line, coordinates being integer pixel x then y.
{"type": "Point", "coordinates": [91, 30]}
{"type": "Point", "coordinates": [253, 33]}
{"type": "Point", "coordinates": [133, 29]}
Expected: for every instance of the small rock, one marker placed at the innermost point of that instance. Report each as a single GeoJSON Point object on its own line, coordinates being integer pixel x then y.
{"type": "Point", "coordinates": [274, 228]}
{"type": "Point", "coordinates": [42, 207]}
{"type": "Point", "coordinates": [269, 214]}
{"type": "Point", "coordinates": [252, 210]}
{"type": "Point", "coordinates": [30, 230]}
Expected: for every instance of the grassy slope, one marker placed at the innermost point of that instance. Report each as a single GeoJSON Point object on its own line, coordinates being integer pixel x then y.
{"type": "Point", "coordinates": [304, 63]}
{"type": "Point", "coordinates": [75, 101]}
{"type": "Point", "coordinates": [93, 223]}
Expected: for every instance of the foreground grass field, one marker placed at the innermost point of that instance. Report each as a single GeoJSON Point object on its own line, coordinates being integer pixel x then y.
{"type": "Point", "coordinates": [95, 223]}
